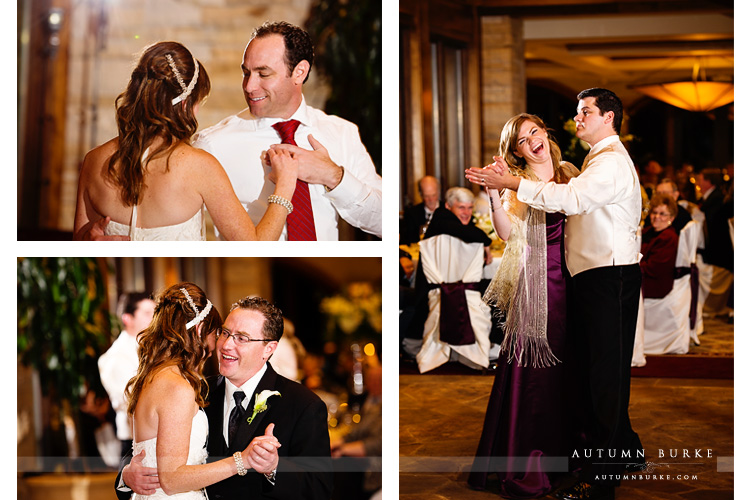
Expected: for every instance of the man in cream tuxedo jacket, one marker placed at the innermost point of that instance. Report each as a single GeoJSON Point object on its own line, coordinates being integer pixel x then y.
{"type": "Point", "coordinates": [603, 206]}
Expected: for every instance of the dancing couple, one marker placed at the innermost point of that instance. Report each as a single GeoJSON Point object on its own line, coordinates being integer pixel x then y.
{"type": "Point", "coordinates": [249, 433]}
{"type": "Point", "coordinates": [567, 290]}
{"type": "Point", "coordinates": [262, 174]}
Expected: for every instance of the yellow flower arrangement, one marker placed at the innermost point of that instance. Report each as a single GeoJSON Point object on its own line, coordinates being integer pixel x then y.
{"type": "Point", "coordinates": [360, 306]}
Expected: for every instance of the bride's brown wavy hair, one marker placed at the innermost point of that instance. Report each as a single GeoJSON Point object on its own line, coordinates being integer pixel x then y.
{"type": "Point", "coordinates": [167, 342]}
{"type": "Point", "coordinates": [144, 111]}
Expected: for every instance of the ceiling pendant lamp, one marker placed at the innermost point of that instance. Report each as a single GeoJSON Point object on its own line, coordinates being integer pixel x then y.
{"type": "Point", "coordinates": [696, 95]}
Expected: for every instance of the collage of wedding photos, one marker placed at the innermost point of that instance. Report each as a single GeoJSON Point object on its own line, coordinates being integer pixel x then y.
{"type": "Point", "coordinates": [210, 195]}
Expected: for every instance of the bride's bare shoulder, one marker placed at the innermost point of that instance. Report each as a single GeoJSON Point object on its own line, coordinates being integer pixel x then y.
{"type": "Point", "coordinates": [96, 159]}
{"type": "Point", "coordinates": [168, 380]}
{"type": "Point", "coordinates": [196, 157]}
{"type": "Point", "coordinates": [103, 151]}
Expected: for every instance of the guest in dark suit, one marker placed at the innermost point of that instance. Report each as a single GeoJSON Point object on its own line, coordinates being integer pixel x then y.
{"type": "Point", "coordinates": [659, 248]}
{"type": "Point", "coordinates": [417, 216]}
{"type": "Point", "coordinates": [455, 219]}
{"type": "Point", "coordinates": [719, 249]}
{"type": "Point", "coordinates": [668, 187]}
{"type": "Point", "coordinates": [247, 340]}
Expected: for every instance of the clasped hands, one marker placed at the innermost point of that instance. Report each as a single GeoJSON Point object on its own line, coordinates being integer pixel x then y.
{"type": "Point", "coordinates": [315, 167]}
{"type": "Point", "coordinates": [493, 176]}
{"type": "Point", "coordinates": [261, 455]}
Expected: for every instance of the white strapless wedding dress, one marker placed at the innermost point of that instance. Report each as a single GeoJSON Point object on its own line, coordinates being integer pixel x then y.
{"type": "Point", "coordinates": [197, 455]}
{"type": "Point", "coordinates": [193, 229]}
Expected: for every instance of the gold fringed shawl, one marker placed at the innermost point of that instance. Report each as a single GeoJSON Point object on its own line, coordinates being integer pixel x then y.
{"type": "Point", "coordinates": [519, 287]}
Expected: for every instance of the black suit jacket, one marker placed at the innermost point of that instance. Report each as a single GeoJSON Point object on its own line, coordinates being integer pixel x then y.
{"type": "Point", "coordinates": [305, 468]}
{"type": "Point", "coordinates": [413, 219]}
{"type": "Point", "coordinates": [719, 250]}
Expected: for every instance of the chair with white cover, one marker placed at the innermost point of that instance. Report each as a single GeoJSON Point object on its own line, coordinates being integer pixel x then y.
{"type": "Point", "coordinates": [639, 357]}
{"type": "Point", "coordinates": [667, 321]}
{"type": "Point", "coordinates": [705, 273]}
{"type": "Point", "coordinates": [731, 230]}
{"type": "Point", "coordinates": [459, 322]}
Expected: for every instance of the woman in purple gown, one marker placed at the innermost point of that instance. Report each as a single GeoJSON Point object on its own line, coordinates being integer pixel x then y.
{"type": "Point", "coordinates": [525, 433]}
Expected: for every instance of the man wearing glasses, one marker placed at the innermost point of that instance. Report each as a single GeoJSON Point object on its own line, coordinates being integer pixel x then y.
{"type": "Point", "coordinates": [236, 414]}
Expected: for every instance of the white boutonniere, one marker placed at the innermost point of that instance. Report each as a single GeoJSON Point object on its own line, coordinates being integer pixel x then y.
{"type": "Point", "coordinates": [260, 403]}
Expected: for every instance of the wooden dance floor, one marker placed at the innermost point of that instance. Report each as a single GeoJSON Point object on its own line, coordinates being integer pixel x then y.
{"type": "Point", "coordinates": [441, 418]}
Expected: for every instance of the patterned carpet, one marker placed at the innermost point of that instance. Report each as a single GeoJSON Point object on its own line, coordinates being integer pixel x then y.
{"type": "Point", "coordinates": [678, 403]}
{"type": "Point", "coordinates": [717, 339]}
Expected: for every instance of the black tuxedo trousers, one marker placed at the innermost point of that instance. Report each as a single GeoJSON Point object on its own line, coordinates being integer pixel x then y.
{"type": "Point", "coordinates": [604, 307]}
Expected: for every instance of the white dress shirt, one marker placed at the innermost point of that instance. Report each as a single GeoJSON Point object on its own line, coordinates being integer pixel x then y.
{"type": "Point", "coordinates": [238, 140]}
{"type": "Point", "coordinates": [116, 367]}
{"type": "Point", "coordinates": [603, 205]}
{"type": "Point", "coordinates": [229, 389]}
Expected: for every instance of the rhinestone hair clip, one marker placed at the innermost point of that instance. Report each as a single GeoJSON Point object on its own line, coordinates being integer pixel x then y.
{"type": "Point", "coordinates": [199, 316]}
{"type": "Point", "coordinates": [185, 90]}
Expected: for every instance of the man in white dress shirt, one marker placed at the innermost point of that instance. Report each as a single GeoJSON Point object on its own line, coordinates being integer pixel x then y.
{"type": "Point", "coordinates": [603, 206]}
{"type": "Point", "coordinates": [333, 161]}
{"type": "Point", "coordinates": [120, 363]}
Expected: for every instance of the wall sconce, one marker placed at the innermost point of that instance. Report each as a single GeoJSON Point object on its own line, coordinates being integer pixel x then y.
{"type": "Point", "coordinates": [54, 22]}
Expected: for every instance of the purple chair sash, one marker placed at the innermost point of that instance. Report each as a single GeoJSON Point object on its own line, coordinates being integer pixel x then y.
{"type": "Point", "coordinates": [679, 272]}
{"type": "Point", "coordinates": [455, 325]}
{"type": "Point", "coordinates": [694, 286]}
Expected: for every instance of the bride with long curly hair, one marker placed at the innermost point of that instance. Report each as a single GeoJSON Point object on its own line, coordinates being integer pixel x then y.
{"type": "Point", "coordinates": [149, 183]}
{"type": "Point", "coordinates": [168, 393]}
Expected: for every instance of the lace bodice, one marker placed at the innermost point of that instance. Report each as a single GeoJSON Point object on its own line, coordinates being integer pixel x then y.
{"type": "Point", "coordinates": [197, 455]}
{"type": "Point", "coordinates": [193, 229]}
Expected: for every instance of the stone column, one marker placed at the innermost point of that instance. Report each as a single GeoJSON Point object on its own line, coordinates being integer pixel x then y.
{"type": "Point", "coordinates": [503, 78]}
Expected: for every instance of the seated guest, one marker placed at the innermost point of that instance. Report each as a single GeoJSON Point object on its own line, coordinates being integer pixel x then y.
{"type": "Point", "coordinates": [455, 220]}
{"type": "Point", "coordinates": [659, 248]}
{"type": "Point", "coordinates": [668, 187]}
{"type": "Point", "coordinates": [406, 295]}
{"type": "Point", "coordinates": [406, 268]}
{"type": "Point", "coordinates": [418, 216]}
{"type": "Point", "coordinates": [364, 439]}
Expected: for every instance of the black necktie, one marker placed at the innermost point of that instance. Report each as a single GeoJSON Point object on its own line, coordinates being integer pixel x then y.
{"type": "Point", "coordinates": [234, 417]}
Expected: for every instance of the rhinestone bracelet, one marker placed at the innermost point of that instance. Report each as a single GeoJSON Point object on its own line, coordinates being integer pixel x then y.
{"type": "Point", "coordinates": [281, 201]}
{"type": "Point", "coordinates": [241, 470]}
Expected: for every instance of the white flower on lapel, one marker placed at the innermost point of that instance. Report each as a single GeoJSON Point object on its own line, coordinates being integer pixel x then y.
{"type": "Point", "coordinates": [260, 403]}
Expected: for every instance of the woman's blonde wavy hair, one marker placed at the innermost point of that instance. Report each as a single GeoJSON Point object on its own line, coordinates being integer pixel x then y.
{"type": "Point", "coordinates": [144, 111]}
{"type": "Point", "coordinates": [166, 342]}
{"type": "Point", "coordinates": [517, 164]}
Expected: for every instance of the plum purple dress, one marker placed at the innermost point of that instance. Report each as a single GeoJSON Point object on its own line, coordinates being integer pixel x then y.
{"type": "Point", "coordinates": [525, 416]}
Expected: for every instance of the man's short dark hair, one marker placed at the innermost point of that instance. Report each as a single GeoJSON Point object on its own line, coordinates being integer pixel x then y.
{"type": "Point", "coordinates": [273, 326]}
{"type": "Point", "coordinates": [713, 175]}
{"type": "Point", "coordinates": [128, 302]}
{"type": "Point", "coordinates": [605, 100]}
{"type": "Point", "coordinates": [297, 43]}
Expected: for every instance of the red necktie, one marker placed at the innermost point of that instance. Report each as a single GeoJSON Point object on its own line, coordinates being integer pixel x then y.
{"type": "Point", "coordinates": [300, 225]}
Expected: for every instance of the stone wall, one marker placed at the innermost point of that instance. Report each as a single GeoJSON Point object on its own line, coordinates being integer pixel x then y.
{"type": "Point", "coordinates": [216, 31]}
